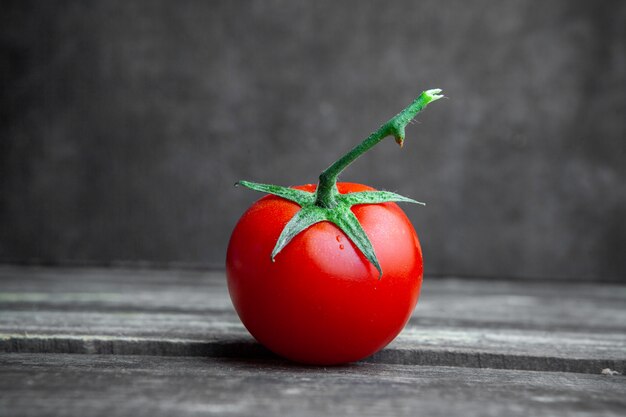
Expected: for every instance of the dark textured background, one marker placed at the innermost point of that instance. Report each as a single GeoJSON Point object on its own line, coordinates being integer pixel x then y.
{"type": "Point", "coordinates": [123, 125]}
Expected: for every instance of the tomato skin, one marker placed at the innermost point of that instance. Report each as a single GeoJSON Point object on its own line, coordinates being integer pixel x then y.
{"type": "Point", "coordinates": [321, 301]}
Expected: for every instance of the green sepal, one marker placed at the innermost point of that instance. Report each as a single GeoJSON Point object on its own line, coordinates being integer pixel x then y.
{"type": "Point", "coordinates": [375, 197]}
{"type": "Point", "coordinates": [301, 221]}
{"type": "Point", "coordinates": [297, 196]}
{"type": "Point", "coordinates": [345, 220]}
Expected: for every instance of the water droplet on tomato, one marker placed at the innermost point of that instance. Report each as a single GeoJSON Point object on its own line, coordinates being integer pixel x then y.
{"type": "Point", "coordinates": [341, 247]}
{"type": "Point", "coordinates": [338, 238]}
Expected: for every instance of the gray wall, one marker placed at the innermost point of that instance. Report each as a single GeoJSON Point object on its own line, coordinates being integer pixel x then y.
{"type": "Point", "coordinates": [123, 125]}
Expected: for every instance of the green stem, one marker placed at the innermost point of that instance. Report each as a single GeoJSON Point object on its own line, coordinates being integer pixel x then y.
{"type": "Point", "coordinates": [327, 186]}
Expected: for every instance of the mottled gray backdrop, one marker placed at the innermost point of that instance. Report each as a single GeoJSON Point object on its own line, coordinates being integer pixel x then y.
{"type": "Point", "coordinates": [124, 124]}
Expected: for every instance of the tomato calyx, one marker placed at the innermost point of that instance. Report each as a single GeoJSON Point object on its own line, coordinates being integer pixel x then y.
{"type": "Point", "coordinates": [327, 204]}
{"type": "Point", "coordinates": [340, 215]}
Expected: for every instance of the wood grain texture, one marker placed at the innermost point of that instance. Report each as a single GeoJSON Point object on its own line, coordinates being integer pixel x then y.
{"type": "Point", "coordinates": [79, 385]}
{"type": "Point", "coordinates": [550, 326]}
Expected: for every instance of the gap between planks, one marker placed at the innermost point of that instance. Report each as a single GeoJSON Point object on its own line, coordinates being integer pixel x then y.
{"type": "Point", "coordinates": [250, 349]}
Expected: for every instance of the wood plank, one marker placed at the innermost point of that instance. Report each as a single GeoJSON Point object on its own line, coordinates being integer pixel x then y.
{"type": "Point", "coordinates": [512, 325]}
{"type": "Point", "coordinates": [78, 385]}
{"type": "Point", "coordinates": [450, 301]}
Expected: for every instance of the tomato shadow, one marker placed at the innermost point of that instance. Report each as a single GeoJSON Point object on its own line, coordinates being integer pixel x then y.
{"type": "Point", "coordinates": [247, 352]}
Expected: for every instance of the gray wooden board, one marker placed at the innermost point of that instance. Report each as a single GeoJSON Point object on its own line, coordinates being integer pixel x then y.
{"type": "Point", "coordinates": [533, 325]}
{"type": "Point", "coordinates": [79, 385]}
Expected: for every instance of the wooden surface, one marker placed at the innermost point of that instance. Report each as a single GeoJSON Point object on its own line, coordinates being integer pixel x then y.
{"type": "Point", "coordinates": [169, 343]}
{"type": "Point", "coordinates": [36, 384]}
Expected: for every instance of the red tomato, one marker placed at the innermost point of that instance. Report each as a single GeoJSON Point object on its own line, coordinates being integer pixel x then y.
{"type": "Point", "coordinates": [321, 301]}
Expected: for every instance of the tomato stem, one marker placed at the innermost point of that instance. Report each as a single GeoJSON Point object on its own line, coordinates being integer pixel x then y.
{"type": "Point", "coordinates": [326, 195]}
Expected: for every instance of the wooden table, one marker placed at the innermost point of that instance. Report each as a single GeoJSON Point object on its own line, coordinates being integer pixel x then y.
{"type": "Point", "coordinates": [114, 342]}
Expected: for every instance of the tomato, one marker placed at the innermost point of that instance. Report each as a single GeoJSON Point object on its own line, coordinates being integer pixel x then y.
{"type": "Point", "coordinates": [321, 301]}
{"type": "Point", "coordinates": [305, 264]}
